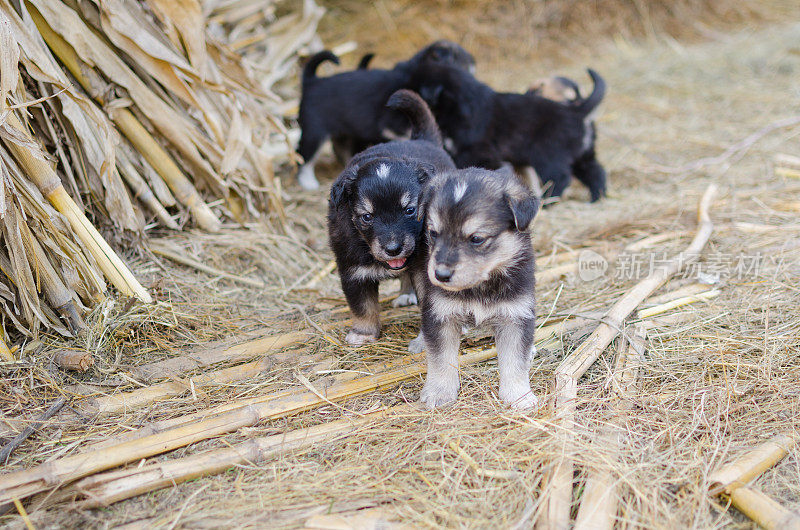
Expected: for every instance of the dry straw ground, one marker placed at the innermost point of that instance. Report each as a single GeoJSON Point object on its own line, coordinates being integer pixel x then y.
{"type": "Point", "coordinates": [696, 96]}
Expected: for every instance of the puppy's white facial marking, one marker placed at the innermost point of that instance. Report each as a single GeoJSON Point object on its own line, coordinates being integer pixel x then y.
{"type": "Point", "coordinates": [405, 199]}
{"type": "Point", "coordinates": [383, 171]}
{"type": "Point", "coordinates": [459, 190]}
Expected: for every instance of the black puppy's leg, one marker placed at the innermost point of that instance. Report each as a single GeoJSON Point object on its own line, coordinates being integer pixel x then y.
{"type": "Point", "coordinates": [407, 294]}
{"type": "Point", "coordinates": [362, 297]}
{"type": "Point", "coordinates": [342, 149]}
{"type": "Point", "coordinates": [442, 339]}
{"type": "Point", "coordinates": [515, 352]}
{"type": "Point", "coordinates": [311, 140]}
{"type": "Point", "coordinates": [589, 171]}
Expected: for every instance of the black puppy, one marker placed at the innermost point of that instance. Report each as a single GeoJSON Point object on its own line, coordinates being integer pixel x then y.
{"type": "Point", "coordinates": [486, 128]}
{"type": "Point", "coordinates": [586, 168]}
{"type": "Point", "coordinates": [349, 108]}
{"type": "Point", "coordinates": [480, 267]}
{"type": "Point", "coordinates": [372, 216]}
{"type": "Point", "coordinates": [441, 51]}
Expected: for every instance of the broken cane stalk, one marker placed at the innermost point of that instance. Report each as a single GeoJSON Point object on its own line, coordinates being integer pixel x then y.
{"type": "Point", "coordinates": [730, 481]}
{"type": "Point", "coordinates": [558, 499]}
{"type": "Point", "coordinates": [598, 508]}
{"type": "Point", "coordinates": [24, 483]}
{"type": "Point", "coordinates": [106, 488]}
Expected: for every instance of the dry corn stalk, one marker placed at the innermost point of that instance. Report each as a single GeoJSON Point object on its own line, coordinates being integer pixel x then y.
{"type": "Point", "coordinates": [598, 508]}
{"type": "Point", "coordinates": [106, 488]}
{"type": "Point", "coordinates": [79, 361]}
{"type": "Point", "coordinates": [730, 481]}
{"type": "Point", "coordinates": [5, 352]}
{"type": "Point", "coordinates": [50, 185]}
{"type": "Point", "coordinates": [556, 506]}
{"type": "Point", "coordinates": [23, 484]}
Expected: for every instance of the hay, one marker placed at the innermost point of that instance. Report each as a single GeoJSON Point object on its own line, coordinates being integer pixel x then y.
{"type": "Point", "coordinates": [719, 375]}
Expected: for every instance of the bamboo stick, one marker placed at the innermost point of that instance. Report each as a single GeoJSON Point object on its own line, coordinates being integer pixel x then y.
{"type": "Point", "coordinates": [321, 386]}
{"type": "Point", "coordinates": [23, 484]}
{"type": "Point", "coordinates": [133, 130]}
{"type": "Point", "coordinates": [106, 488]}
{"type": "Point", "coordinates": [598, 505]}
{"type": "Point", "coordinates": [208, 356]}
{"type": "Point", "coordinates": [5, 352]}
{"type": "Point", "coordinates": [679, 302]}
{"type": "Point", "coordinates": [751, 465]}
{"type": "Point", "coordinates": [764, 511]}
{"type": "Point", "coordinates": [556, 506]}
{"type": "Point", "coordinates": [50, 185]}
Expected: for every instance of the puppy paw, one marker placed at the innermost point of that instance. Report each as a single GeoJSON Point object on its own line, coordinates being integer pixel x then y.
{"type": "Point", "coordinates": [307, 179]}
{"type": "Point", "coordinates": [437, 393]}
{"type": "Point", "coordinates": [359, 338]}
{"type": "Point", "coordinates": [404, 300]}
{"type": "Point", "coordinates": [417, 344]}
{"type": "Point", "coordinates": [519, 399]}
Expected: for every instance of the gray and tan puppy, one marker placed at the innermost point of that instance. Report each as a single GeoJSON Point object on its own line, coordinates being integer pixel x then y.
{"type": "Point", "coordinates": [480, 271]}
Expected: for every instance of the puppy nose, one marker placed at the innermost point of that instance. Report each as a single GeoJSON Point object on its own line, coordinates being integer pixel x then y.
{"type": "Point", "coordinates": [443, 274]}
{"type": "Point", "coordinates": [393, 248]}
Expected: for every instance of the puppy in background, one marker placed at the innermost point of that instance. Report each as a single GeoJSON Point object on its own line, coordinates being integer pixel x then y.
{"type": "Point", "coordinates": [487, 128]}
{"type": "Point", "coordinates": [479, 270]}
{"type": "Point", "coordinates": [373, 222]}
{"type": "Point", "coordinates": [585, 168]}
{"type": "Point", "coordinates": [349, 108]}
{"type": "Point", "coordinates": [441, 52]}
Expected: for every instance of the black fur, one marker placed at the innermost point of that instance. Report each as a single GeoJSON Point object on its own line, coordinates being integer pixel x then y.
{"type": "Point", "coordinates": [349, 108]}
{"type": "Point", "coordinates": [585, 168]}
{"type": "Point", "coordinates": [367, 241]}
{"type": "Point", "coordinates": [488, 128]}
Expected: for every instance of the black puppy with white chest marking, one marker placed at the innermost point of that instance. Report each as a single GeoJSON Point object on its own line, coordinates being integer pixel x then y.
{"type": "Point", "coordinates": [488, 128]}
{"type": "Point", "coordinates": [373, 224]}
{"type": "Point", "coordinates": [480, 270]}
{"type": "Point", "coordinates": [349, 108]}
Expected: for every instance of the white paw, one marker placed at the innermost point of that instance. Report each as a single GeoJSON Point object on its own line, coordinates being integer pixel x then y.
{"type": "Point", "coordinates": [356, 338]}
{"type": "Point", "coordinates": [417, 344]}
{"type": "Point", "coordinates": [307, 179]}
{"type": "Point", "coordinates": [438, 392]}
{"type": "Point", "coordinates": [519, 400]}
{"type": "Point", "coordinates": [405, 299]}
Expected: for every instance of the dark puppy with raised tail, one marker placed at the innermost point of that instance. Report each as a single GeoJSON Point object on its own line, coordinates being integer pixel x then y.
{"type": "Point", "coordinates": [486, 128]}
{"type": "Point", "coordinates": [373, 224]}
{"type": "Point", "coordinates": [480, 270]}
{"type": "Point", "coordinates": [585, 168]}
{"type": "Point", "coordinates": [349, 108]}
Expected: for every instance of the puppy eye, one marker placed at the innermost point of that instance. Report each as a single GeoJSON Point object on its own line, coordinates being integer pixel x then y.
{"type": "Point", "coordinates": [367, 217]}
{"type": "Point", "coordinates": [433, 233]}
{"type": "Point", "coordinates": [477, 240]}
{"type": "Point", "coordinates": [410, 211]}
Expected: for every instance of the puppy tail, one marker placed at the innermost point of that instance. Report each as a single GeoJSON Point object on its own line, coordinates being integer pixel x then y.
{"type": "Point", "coordinates": [363, 64]}
{"type": "Point", "coordinates": [594, 99]}
{"type": "Point", "coordinates": [310, 69]}
{"type": "Point", "coordinates": [423, 124]}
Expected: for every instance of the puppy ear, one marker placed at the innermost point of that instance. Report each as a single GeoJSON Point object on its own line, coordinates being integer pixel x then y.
{"type": "Point", "coordinates": [523, 208]}
{"type": "Point", "coordinates": [424, 200]}
{"type": "Point", "coordinates": [425, 171]}
{"type": "Point", "coordinates": [343, 187]}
